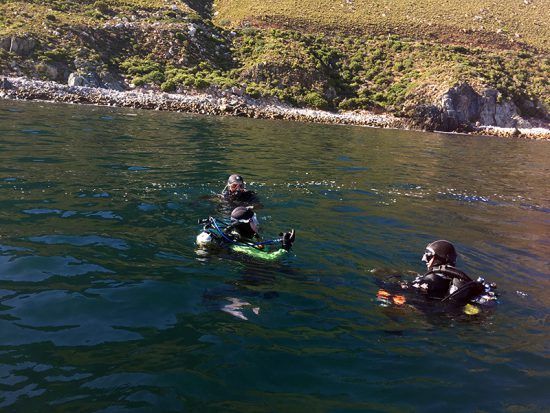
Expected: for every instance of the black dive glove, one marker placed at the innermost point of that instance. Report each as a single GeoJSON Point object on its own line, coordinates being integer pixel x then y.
{"type": "Point", "coordinates": [288, 239]}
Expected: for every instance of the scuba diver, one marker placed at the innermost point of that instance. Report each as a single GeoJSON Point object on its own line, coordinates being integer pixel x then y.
{"type": "Point", "coordinates": [241, 235]}
{"type": "Point", "coordinates": [444, 283]}
{"type": "Point", "coordinates": [235, 191]}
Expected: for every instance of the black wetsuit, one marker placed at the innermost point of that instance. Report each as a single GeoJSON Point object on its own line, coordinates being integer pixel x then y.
{"type": "Point", "coordinates": [241, 197]}
{"type": "Point", "coordinates": [446, 283]}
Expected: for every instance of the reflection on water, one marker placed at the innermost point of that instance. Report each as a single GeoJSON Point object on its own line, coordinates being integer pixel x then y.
{"type": "Point", "coordinates": [105, 305]}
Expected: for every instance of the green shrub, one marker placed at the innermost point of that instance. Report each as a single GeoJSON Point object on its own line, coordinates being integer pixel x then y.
{"type": "Point", "coordinates": [168, 86]}
{"type": "Point", "coordinates": [138, 81]}
{"type": "Point", "coordinates": [155, 77]}
{"type": "Point", "coordinates": [56, 55]}
{"type": "Point", "coordinates": [398, 66]}
{"type": "Point", "coordinates": [140, 66]}
{"type": "Point", "coordinates": [460, 49]}
{"type": "Point", "coordinates": [314, 100]}
{"type": "Point", "coordinates": [355, 66]}
{"type": "Point", "coordinates": [201, 83]}
{"type": "Point", "coordinates": [380, 99]}
{"type": "Point", "coordinates": [252, 90]}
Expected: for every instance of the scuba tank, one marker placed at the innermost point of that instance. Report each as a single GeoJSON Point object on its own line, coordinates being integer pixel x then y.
{"type": "Point", "coordinates": [204, 239]}
{"type": "Point", "coordinates": [213, 233]}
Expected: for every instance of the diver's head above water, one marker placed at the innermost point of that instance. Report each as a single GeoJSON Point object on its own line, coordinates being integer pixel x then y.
{"type": "Point", "coordinates": [235, 184]}
{"type": "Point", "coordinates": [236, 192]}
{"type": "Point", "coordinates": [439, 252]}
{"type": "Point", "coordinates": [244, 221]}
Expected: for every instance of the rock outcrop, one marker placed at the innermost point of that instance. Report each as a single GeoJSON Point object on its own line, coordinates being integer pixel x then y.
{"type": "Point", "coordinates": [21, 46]}
{"type": "Point", "coordinates": [462, 109]}
{"type": "Point", "coordinates": [92, 79]}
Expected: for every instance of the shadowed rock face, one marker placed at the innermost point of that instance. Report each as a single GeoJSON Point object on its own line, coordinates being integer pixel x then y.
{"type": "Point", "coordinates": [462, 107]}
{"type": "Point", "coordinates": [203, 7]}
{"type": "Point", "coordinates": [428, 117]}
{"type": "Point", "coordinates": [461, 103]}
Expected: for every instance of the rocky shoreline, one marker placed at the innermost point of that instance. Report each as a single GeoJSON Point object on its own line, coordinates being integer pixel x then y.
{"type": "Point", "coordinates": [220, 103]}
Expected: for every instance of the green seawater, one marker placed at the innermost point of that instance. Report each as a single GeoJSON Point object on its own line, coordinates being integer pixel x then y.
{"type": "Point", "coordinates": [106, 306]}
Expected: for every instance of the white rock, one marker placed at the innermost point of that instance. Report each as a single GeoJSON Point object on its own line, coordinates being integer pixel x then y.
{"type": "Point", "coordinates": [76, 80]}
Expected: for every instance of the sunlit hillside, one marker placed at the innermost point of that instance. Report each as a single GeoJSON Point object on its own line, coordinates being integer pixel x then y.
{"type": "Point", "coordinates": [503, 23]}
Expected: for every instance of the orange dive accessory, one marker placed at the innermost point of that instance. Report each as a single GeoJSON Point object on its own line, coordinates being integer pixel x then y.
{"type": "Point", "coordinates": [388, 298]}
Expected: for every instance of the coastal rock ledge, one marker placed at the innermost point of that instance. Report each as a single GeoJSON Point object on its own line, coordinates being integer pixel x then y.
{"type": "Point", "coordinates": [228, 103]}
{"type": "Point", "coordinates": [462, 109]}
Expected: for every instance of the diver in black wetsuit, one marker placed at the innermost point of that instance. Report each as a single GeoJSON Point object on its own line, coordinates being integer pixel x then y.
{"type": "Point", "coordinates": [235, 191]}
{"type": "Point", "coordinates": [444, 282]}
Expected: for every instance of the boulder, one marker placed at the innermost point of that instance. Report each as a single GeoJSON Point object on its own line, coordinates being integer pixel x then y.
{"type": "Point", "coordinates": [449, 121]}
{"type": "Point", "coordinates": [506, 115]}
{"type": "Point", "coordinates": [89, 80]}
{"type": "Point", "coordinates": [330, 93]}
{"type": "Point", "coordinates": [238, 91]}
{"type": "Point", "coordinates": [76, 80]}
{"type": "Point", "coordinates": [22, 46]}
{"type": "Point", "coordinates": [488, 107]}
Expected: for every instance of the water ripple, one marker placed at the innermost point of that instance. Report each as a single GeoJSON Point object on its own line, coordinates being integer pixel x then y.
{"type": "Point", "coordinates": [81, 240]}
{"type": "Point", "coordinates": [37, 268]}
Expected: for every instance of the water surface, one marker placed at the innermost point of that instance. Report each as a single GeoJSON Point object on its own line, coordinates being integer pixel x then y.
{"type": "Point", "coordinates": [106, 307]}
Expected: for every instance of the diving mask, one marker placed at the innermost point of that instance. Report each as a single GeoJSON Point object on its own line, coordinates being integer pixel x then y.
{"type": "Point", "coordinates": [429, 254]}
{"type": "Point", "coordinates": [236, 187]}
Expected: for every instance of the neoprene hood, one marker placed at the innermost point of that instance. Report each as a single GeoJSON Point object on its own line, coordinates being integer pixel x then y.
{"type": "Point", "coordinates": [235, 179]}
{"type": "Point", "coordinates": [444, 252]}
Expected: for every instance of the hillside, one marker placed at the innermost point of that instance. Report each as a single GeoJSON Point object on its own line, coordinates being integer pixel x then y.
{"type": "Point", "coordinates": [488, 23]}
{"type": "Point", "coordinates": [445, 69]}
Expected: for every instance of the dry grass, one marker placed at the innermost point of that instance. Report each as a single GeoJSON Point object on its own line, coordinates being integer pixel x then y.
{"type": "Point", "coordinates": [509, 23]}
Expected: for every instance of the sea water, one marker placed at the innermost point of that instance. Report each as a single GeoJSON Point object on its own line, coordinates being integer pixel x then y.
{"type": "Point", "coordinates": [106, 306]}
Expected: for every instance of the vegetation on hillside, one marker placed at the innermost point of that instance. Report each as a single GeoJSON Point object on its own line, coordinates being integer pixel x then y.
{"type": "Point", "coordinates": [175, 46]}
{"type": "Point", "coordinates": [382, 72]}
{"type": "Point", "coordinates": [101, 35]}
